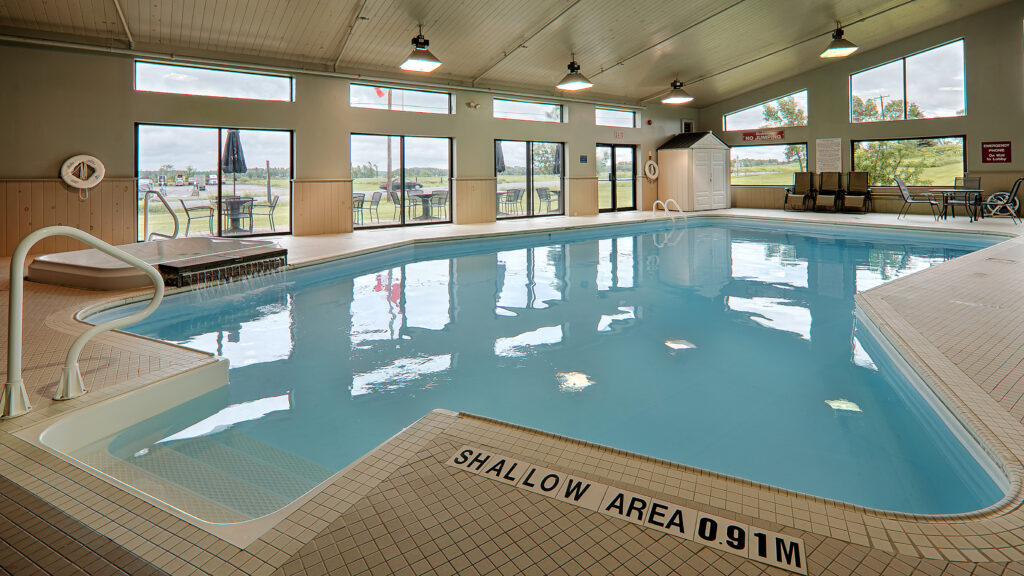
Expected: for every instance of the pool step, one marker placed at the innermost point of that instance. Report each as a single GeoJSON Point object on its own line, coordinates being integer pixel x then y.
{"type": "Point", "coordinates": [209, 481]}
{"type": "Point", "coordinates": [254, 462]}
{"type": "Point", "coordinates": [161, 489]}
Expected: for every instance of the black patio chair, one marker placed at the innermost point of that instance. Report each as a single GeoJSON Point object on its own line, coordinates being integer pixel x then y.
{"type": "Point", "coordinates": [439, 202]}
{"type": "Point", "coordinates": [267, 210]}
{"type": "Point", "coordinates": [830, 191]}
{"type": "Point", "coordinates": [967, 182]}
{"type": "Point", "coordinates": [357, 209]}
{"type": "Point", "coordinates": [197, 210]}
{"type": "Point", "coordinates": [909, 200]}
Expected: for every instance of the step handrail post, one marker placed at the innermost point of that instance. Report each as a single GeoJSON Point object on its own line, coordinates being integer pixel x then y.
{"type": "Point", "coordinates": [13, 398]}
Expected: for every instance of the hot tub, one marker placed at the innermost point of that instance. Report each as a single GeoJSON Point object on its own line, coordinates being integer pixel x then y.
{"type": "Point", "coordinates": [94, 270]}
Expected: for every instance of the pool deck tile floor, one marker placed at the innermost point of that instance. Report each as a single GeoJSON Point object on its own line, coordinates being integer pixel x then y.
{"type": "Point", "coordinates": [403, 510]}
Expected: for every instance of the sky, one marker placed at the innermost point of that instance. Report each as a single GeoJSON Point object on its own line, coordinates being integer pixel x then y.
{"type": "Point", "coordinates": [935, 80]}
{"type": "Point", "coordinates": [419, 152]}
{"type": "Point", "coordinates": [151, 77]}
{"type": "Point", "coordinates": [182, 146]}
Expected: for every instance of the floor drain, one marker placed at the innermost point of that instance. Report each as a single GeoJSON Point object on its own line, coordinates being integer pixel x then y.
{"type": "Point", "coordinates": [1001, 260]}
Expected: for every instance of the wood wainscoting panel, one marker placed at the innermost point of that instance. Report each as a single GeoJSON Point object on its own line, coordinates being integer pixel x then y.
{"type": "Point", "coordinates": [321, 207]}
{"type": "Point", "coordinates": [108, 212]}
{"type": "Point", "coordinates": [582, 197]}
{"type": "Point", "coordinates": [475, 200]}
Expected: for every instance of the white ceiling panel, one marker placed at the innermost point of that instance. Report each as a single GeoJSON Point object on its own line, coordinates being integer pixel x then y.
{"type": "Point", "coordinates": [631, 49]}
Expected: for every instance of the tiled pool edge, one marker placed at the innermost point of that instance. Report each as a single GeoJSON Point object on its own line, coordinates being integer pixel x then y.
{"type": "Point", "coordinates": [923, 548]}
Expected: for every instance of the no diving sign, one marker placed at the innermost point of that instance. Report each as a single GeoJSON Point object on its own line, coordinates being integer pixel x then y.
{"type": "Point", "coordinates": [772, 548]}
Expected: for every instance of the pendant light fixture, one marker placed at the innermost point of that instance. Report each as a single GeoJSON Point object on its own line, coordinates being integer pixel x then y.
{"type": "Point", "coordinates": [420, 59]}
{"type": "Point", "coordinates": [839, 47]}
{"type": "Point", "coordinates": [677, 95]}
{"type": "Point", "coordinates": [574, 80]}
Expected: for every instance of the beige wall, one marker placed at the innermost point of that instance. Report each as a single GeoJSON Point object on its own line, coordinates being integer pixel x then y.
{"type": "Point", "coordinates": [995, 99]}
{"type": "Point", "coordinates": [57, 103]}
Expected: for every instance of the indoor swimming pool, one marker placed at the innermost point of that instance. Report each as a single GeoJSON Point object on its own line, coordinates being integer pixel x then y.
{"type": "Point", "coordinates": [721, 344]}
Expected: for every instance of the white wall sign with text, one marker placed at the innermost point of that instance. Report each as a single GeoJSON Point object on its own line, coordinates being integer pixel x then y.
{"type": "Point", "coordinates": [828, 155]}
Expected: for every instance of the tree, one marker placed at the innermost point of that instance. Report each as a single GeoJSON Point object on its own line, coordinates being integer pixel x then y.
{"type": "Point", "coordinates": [788, 113]}
{"type": "Point", "coordinates": [885, 159]}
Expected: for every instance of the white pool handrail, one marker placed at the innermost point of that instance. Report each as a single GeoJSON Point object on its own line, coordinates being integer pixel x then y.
{"type": "Point", "coordinates": [145, 218]}
{"type": "Point", "coordinates": [13, 398]}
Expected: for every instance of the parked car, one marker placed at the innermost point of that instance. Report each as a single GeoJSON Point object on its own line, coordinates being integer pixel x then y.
{"type": "Point", "coordinates": [145, 185]}
{"type": "Point", "coordinates": [396, 184]}
{"type": "Point", "coordinates": [211, 180]}
{"type": "Point", "coordinates": [179, 180]}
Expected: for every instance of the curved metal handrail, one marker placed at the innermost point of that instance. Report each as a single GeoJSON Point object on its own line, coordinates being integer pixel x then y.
{"type": "Point", "coordinates": [13, 399]}
{"type": "Point", "coordinates": [145, 216]}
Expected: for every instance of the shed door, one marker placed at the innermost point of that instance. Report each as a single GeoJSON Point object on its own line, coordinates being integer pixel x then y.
{"type": "Point", "coordinates": [719, 179]}
{"type": "Point", "coordinates": [701, 179]}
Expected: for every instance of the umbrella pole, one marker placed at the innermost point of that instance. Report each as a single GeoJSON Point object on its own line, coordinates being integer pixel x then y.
{"type": "Point", "coordinates": [233, 176]}
{"type": "Point", "coordinates": [268, 181]}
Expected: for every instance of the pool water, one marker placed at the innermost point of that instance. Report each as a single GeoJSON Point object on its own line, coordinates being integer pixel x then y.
{"type": "Point", "coordinates": [721, 345]}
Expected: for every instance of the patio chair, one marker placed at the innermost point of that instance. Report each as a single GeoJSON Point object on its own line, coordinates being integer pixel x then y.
{"type": "Point", "coordinates": [374, 208]}
{"type": "Point", "coordinates": [267, 210]}
{"type": "Point", "coordinates": [802, 191]}
{"type": "Point", "coordinates": [439, 202]}
{"type": "Point", "coordinates": [969, 182]}
{"type": "Point", "coordinates": [544, 195]}
{"type": "Point", "coordinates": [857, 193]}
{"type": "Point", "coordinates": [830, 191]}
{"type": "Point", "coordinates": [357, 209]}
{"type": "Point", "coordinates": [197, 210]}
{"type": "Point", "coordinates": [1002, 203]}
{"type": "Point", "coordinates": [513, 200]}
{"type": "Point", "coordinates": [909, 200]}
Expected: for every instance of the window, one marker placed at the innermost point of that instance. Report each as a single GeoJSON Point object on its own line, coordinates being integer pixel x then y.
{"type": "Point", "coordinates": [173, 79]}
{"type": "Point", "coordinates": [772, 165]}
{"type": "Point", "coordinates": [210, 194]}
{"type": "Point", "coordinates": [918, 161]}
{"type": "Point", "coordinates": [790, 110]}
{"type": "Point", "coordinates": [361, 96]}
{"type": "Point", "coordinates": [616, 177]}
{"type": "Point", "coordinates": [530, 179]}
{"type": "Point", "coordinates": [536, 111]}
{"type": "Point", "coordinates": [617, 118]}
{"type": "Point", "coordinates": [400, 180]}
{"type": "Point", "coordinates": [929, 84]}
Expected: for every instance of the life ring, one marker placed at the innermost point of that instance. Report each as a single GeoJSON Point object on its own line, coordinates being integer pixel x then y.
{"type": "Point", "coordinates": [651, 170]}
{"type": "Point", "coordinates": [82, 171]}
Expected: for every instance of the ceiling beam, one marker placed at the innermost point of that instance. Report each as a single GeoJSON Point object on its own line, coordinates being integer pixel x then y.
{"type": "Point", "coordinates": [124, 24]}
{"type": "Point", "coordinates": [522, 43]}
{"type": "Point", "coordinates": [356, 16]}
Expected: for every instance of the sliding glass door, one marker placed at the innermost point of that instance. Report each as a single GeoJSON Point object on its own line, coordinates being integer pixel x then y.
{"type": "Point", "coordinates": [616, 177]}
{"type": "Point", "coordinates": [398, 180]}
{"type": "Point", "coordinates": [530, 178]}
{"type": "Point", "coordinates": [217, 181]}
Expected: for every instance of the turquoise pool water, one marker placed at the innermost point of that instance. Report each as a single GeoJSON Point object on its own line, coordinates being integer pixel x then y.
{"type": "Point", "coordinates": [723, 345]}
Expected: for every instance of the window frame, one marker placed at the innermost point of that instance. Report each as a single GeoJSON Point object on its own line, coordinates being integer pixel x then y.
{"type": "Point", "coordinates": [403, 222]}
{"type": "Point", "coordinates": [632, 113]}
{"type": "Point", "coordinates": [806, 155]}
{"type": "Point", "coordinates": [451, 106]}
{"type": "Point", "coordinates": [903, 61]}
{"type": "Point", "coordinates": [963, 137]}
{"type": "Point", "coordinates": [529, 183]}
{"type": "Point", "coordinates": [561, 111]}
{"type": "Point", "coordinates": [725, 116]}
{"type": "Point", "coordinates": [220, 175]}
{"type": "Point", "coordinates": [135, 81]}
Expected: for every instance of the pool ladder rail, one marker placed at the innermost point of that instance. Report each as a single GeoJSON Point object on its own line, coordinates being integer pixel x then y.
{"type": "Point", "coordinates": [13, 398]}
{"type": "Point", "coordinates": [145, 218]}
{"type": "Point", "coordinates": [664, 206]}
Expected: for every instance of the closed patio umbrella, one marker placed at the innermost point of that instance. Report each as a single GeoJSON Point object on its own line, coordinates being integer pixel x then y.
{"type": "Point", "coordinates": [558, 159]}
{"type": "Point", "coordinates": [233, 161]}
{"type": "Point", "coordinates": [499, 158]}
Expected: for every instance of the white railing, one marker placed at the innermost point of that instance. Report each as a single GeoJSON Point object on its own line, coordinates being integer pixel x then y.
{"type": "Point", "coordinates": [13, 398]}
{"type": "Point", "coordinates": [145, 217]}
{"type": "Point", "coordinates": [665, 203]}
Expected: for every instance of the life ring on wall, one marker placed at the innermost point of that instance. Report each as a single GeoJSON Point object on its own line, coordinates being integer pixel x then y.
{"type": "Point", "coordinates": [82, 171]}
{"type": "Point", "coordinates": [651, 170]}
